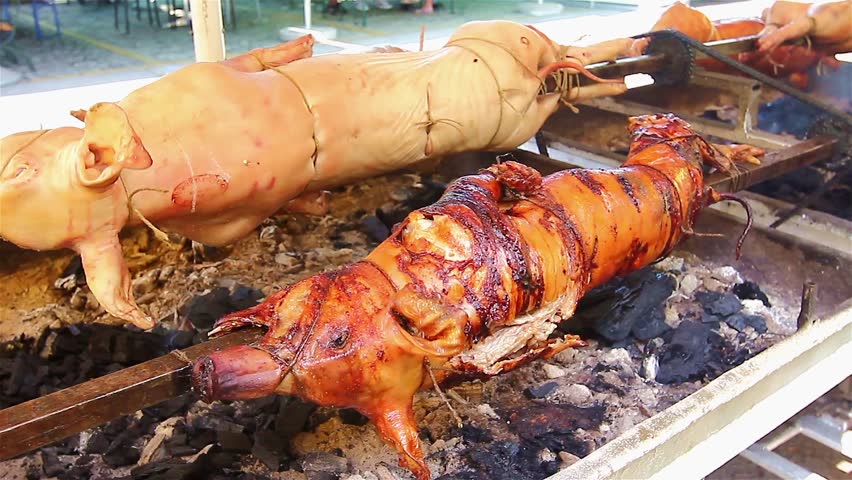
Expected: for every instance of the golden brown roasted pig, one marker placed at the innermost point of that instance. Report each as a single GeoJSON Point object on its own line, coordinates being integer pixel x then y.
{"type": "Point", "coordinates": [475, 283]}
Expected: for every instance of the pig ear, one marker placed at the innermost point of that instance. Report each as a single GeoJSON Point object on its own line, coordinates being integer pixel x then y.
{"type": "Point", "coordinates": [109, 145]}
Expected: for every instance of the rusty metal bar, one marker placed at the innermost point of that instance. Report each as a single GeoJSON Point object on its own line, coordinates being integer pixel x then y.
{"type": "Point", "coordinates": [56, 416]}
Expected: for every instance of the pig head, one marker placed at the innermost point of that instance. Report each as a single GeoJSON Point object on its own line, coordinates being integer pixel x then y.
{"type": "Point", "coordinates": [61, 188]}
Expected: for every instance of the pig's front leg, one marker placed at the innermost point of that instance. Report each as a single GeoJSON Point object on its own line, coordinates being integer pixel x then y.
{"type": "Point", "coordinates": [264, 58]}
{"type": "Point", "coordinates": [109, 279]}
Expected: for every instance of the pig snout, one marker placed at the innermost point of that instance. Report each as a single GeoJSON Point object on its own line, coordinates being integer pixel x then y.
{"type": "Point", "coordinates": [236, 373]}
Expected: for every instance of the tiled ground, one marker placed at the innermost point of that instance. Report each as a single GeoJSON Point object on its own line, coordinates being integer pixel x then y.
{"type": "Point", "coordinates": [90, 45]}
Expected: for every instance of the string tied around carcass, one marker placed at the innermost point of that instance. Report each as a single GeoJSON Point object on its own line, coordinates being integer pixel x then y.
{"type": "Point", "coordinates": [715, 197]}
{"type": "Point", "coordinates": [566, 81]}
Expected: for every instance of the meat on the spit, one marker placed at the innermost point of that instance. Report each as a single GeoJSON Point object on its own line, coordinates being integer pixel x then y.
{"type": "Point", "coordinates": [210, 150]}
{"type": "Point", "coordinates": [473, 285]}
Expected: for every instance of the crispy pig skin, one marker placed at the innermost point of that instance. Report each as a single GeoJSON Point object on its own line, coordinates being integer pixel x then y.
{"type": "Point", "coordinates": [475, 282]}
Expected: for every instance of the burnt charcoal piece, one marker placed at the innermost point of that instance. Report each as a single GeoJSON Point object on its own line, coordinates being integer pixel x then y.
{"type": "Point", "coordinates": [233, 441]}
{"type": "Point", "coordinates": [324, 462]}
{"type": "Point", "coordinates": [81, 469]}
{"type": "Point", "coordinates": [51, 464]}
{"type": "Point", "coordinates": [351, 416]}
{"type": "Point", "coordinates": [98, 442]}
{"type": "Point", "coordinates": [22, 371]}
{"type": "Point", "coordinates": [541, 391]}
{"type": "Point", "coordinates": [293, 415]}
{"type": "Point", "coordinates": [121, 457]}
{"type": "Point", "coordinates": [270, 448]}
{"type": "Point", "coordinates": [318, 475]}
{"type": "Point", "coordinates": [615, 308]}
{"type": "Point", "coordinates": [507, 460]}
{"type": "Point", "coordinates": [553, 425]}
{"type": "Point", "coordinates": [245, 297]}
{"type": "Point", "coordinates": [119, 345]}
{"type": "Point", "coordinates": [475, 434]}
{"type": "Point", "coordinates": [422, 195]}
{"type": "Point", "coordinates": [740, 321]}
{"type": "Point", "coordinates": [202, 438]}
{"type": "Point", "coordinates": [177, 338]}
{"type": "Point", "coordinates": [375, 229]}
{"type": "Point", "coordinates": [168, 408]}
{"type": "Point", "coordinates": [749, 290]}
{"type": "Point", "coordinates": [169, 470]}
{"type": "Point", "coordinates": [203, 310]}
{"type": "Point", "coordinates": [684, 357]}
{"type": "Point", "coordinates": [651, 325]}
{"type": "Point", "coordinates": [720, 304]}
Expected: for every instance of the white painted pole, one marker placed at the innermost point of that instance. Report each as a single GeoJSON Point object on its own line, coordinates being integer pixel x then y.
{"type": "Point", "coordinates": [308, 14]}
{"type": "Point", "coordinates": [208, 34]}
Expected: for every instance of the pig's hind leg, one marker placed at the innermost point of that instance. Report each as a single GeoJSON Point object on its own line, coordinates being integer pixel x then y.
{"type": "Point", "coordinates": [265, 58]}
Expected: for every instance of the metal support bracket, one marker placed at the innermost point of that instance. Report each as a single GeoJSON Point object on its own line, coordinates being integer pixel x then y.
{"type": "Point", "coordinates": [829, 431]}
{"type": "Point", "coordinates": [744, 130]}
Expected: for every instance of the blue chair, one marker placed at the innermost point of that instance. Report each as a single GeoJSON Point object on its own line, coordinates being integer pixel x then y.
{"type": "Point", "coordinates": [38, 4]}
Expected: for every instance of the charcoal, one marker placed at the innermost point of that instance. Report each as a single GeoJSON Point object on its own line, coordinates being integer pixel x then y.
{"type": "Point", "coordinates": [182, 450]}
{"type": "Point", "coordinates": [292, 416]}
{"type": "Point", "coordinates": [81, 469]}
{"type": "Point", "coordinates": [177, 438]}
{"type": "Point", "coordinates": [202, 438]}
{"type": "Point", "coordinates": [168, 408]}
{"type": "Point", "coordinates": [122, 346]}
{"type": "Point", "coordinates": [51, 464]}
{"type": "Point", "coordinates": [508, 460]}
{"type": "Point", "coordinates": [351, 416]}
{"type": "Point", "coordinates": [179, 339]}
{"type": "Point", "coordinates": [122, 457]}
{"type": "Point", "coordinates": [541, 391]}
{"type": "Point", "coordinates": [320, 475]}
{"type": "Point", "coordinates": [245, 297]}
{"type": "Point", "coordinates": [203, 310]}
{"type": "Point", "coordinates": [22, 368]}
{"type": "Point", "coordinates": [651, 325]}
{"type": "Point", "coordinates": [98, 442]}
{"type": "Point", "coordinates": [474, 434]}
{"type": "Point", "coordinates": [614, 308]}
{"type": "Point", "coordinates": [34, 472]}
{"type": "Point", "coordinates": [375, 229]}
{"type": "Point", "coordinates": [223, 460]}
{"type": "Point", "coordinates": [233, 441]}
{"type": "Point", "coordinates": [550, 424]}
{"type": "Point", "coordinates": [749, 290]}
{"type": "Point", "coordinates": [324, 462]}
{"type": "Point", "coordinates": [213, 421]}
{"type": "Point", "coordinates": [269, 447]}
{"type": "Point", "coordinates": [684, 357]}
{"type": "Point", "coordinates": [720, 304]}
{"type": "Point", "coordinates": [169, 470]}
{"type": "Point", "coordinates": [740, 321]}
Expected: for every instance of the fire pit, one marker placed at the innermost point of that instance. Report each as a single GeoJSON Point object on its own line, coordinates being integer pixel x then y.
{"type": "Point", "coordinates": [655, 337]}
